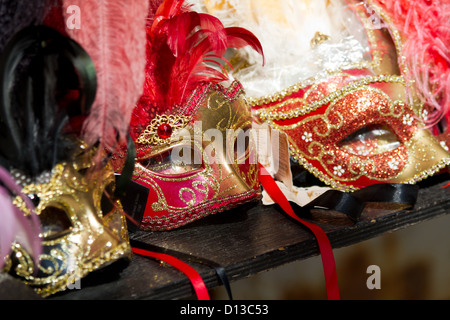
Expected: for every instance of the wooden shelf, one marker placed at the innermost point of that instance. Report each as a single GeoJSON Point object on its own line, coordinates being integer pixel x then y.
{"type": "Point", "coordinates": [249, 240]}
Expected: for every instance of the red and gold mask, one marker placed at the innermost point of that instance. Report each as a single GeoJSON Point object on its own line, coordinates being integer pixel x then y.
{"type": "Point", "coordinates": [194, 150]}
{"type": "Point", "coordinates": [192, 165]}
{"type": "Point", "coordinates": [354, 126]}
{"type": "Point", "coordinates": [80, 234]}
{"type": "Point", "coordinates": [352, 132]}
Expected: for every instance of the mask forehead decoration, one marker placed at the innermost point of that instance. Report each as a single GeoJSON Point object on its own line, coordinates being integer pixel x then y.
{"type": "Point", "coordinates": [192, 131]}
{"type": "Point", "coordinates": [354, 121]}
{"type": "Point", "coordinates": [82, 225]}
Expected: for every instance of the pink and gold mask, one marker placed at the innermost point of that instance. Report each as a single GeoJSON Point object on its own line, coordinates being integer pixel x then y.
{"type": "Point", "coordinates": [199, 163]}
{"type": "Point", "coordinates": [80, 233]}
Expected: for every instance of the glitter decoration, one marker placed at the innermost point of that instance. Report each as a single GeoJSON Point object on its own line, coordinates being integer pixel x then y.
{"type": "Point", "coordinates": [316, 131]}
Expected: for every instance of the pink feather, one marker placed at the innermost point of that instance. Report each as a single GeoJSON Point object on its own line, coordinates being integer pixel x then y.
{"type": "Point", "coordinates": [15, 226]}
{"type": "Point", "coordinates": [113, 34]}
{"type": "Point", "coordinates": [425, 27]}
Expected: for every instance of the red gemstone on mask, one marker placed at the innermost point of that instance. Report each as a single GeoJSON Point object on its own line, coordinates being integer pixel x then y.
{"type": "Point", "coordinates": [164, 131]}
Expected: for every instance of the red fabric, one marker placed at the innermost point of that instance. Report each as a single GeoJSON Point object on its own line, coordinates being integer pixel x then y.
{"type": "Point", "coordinates": [197, 282]}
{"type": "Point", "coordinates": [325, 248]}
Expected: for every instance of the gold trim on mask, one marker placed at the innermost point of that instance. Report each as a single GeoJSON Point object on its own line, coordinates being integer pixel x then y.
{"type": "Point", "coordinates": [304, 108]}
{"type": "Point", "coordinates": [420, 164]}
{"type": "Point", "coordinates": [77, 236]}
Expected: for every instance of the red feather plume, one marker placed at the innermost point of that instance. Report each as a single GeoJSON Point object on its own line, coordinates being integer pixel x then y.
{"type": "Point", "coordinates": [184, 49]}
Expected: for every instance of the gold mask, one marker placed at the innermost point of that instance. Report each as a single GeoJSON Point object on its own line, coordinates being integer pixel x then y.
{"type": "Point", "coordinates": [49, 83]}
{"type": "Point", "coordinates": [79, 235]}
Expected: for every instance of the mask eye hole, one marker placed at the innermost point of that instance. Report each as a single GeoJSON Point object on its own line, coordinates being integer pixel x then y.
{"type": "Point", "coordinates": [106, 203]}
{"type": "Point", "coordinates": [370, 140]}
{"type": "Point", "coordinates": [55, 222]}
{"type": "Point", "coordinates": [183, 158]}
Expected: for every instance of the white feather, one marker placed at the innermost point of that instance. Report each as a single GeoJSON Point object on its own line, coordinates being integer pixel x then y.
{"type": "Point", "coordinates": [285, 29]}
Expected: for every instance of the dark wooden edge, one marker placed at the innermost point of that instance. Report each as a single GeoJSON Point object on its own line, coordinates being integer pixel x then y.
{"type": "Point", "coordinates": [371, 227]}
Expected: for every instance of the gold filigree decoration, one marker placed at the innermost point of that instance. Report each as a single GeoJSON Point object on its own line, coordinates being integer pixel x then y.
{"type": "Point", "coordinates": [150, 135]}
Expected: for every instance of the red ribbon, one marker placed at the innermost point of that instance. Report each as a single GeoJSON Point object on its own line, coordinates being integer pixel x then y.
{"type": "Point", "coordinates": [325, 248]}
{"type": "Point", "coordinates": [197, 281]}
{"type": "Point", "coordinates": [277, 195]}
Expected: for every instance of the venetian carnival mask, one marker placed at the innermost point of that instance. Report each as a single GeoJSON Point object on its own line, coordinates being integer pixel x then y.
{"type": "Point", "coordinates": [351, 124]}
{"type": "Point", "coordinates": [48, 85]}
{"type": "Point", "coordinates": [199, 163]}
{"type": "Point", "coordinates": [194, 150]}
